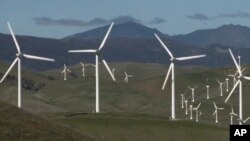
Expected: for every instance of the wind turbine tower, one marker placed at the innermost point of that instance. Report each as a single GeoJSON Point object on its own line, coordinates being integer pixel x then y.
{"type": "Point", "coordinates": [216, 112]}
{"type": "Point", "coordinates": [19, 57]}
{"type": "Point", "coordinates": [241, 77]}
{"type": "Point", "coordinates": [64, 72]}
{"type": "Point", "coordinates": [171, 70]}
{"type": "Point", "coordinates": [97, 53]}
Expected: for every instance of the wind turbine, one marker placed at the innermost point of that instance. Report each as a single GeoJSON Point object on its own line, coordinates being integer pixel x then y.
{"type": "Point", "coordinates": [226, 80]}
{"type": "Point", "coordinates": [241, 77]}
{"type": "Point", "coordinates": [216, 112]}
{"type": "Point", "coordinates": [233, 76]}
{"type": "Point", "coordinates": [182, 100]}
{"type": "Point", "coordinates": [244, 121]}
{"type": "Point", "coordinates": [186, 107]}
{"type": "Point", "coordinates": [83, 69]}
{"type": "Point", "coordinates": [221, 87]}
{"type": "Point", "coordinates": [64, 72]}
{"type": "Point", "coordinates": [97, 53]}
{"type": "Point", "coordinates": [126, 77]}
{"type": "Point", "coordinates": [171, 69]}
{"type": "Point", "coordinates": [19, 56]}
{"type": "Point", "coordinates": [207, 86]}
{"type": "Point", "coordinates": [191, 111]}
{"type": "Point", "coordinates": [232, 114]}
{"type": "Point", "coordinates": [192, 90]}
{"type": "Point", "coordinates": [197, 112]}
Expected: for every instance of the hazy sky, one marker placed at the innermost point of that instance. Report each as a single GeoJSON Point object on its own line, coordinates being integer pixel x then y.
{"type": "Point", "coordinates": [59, 18]}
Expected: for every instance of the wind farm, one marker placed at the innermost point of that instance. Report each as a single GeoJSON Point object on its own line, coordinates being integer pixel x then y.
{"type": "Point", "coordinates": [105, 76]}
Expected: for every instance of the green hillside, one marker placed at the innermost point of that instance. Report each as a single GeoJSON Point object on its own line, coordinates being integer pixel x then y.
{"type": "Point", "coordinates": [18, 125]}
{"type": "Point", "coordinates": [131, 127]}
{"type": "Point", "coordinates": [47, 94]}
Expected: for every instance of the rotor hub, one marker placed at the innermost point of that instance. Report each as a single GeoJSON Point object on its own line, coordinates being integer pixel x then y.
{"type": "Point", "coordinates": [19, 55]}
{"type": "Point", "coordinates": [172, 59]}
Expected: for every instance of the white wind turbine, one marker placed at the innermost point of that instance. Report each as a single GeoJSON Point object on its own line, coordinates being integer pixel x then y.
{"type": "Point", "coordinates": [232, 114]}
{"type": "Point", "coordinates": [244, 121]}
{"type": "Point", "coordinates": [97, 53]}
{"type": "Point", "coordinates": [182, 95]}
{"type": "Point", "coordinates": [216, 112]}
{"type": "Point", "coordinates": [207, 86]}
{"type": "Point", "coordinates": [186, 107]}
{"type": "Point", "coordinates": [241, 77]}
{"type": "Point", "coordinates": [192, 90]}
{"type": "Point", "coordinates": [83, 69]}
{"type": "Point", "coordinates": [182, 100]}
{"type": "Point", "coordinates": [233, 76]}
{"type": "Point", "coordinates": [226, 81]}
{"type": "Point", "coordinates": [171, 69]}
{"type": "Point", "coordinates": [126, 77]}
{"type": "Point", "coordinates": [191, 111]}
{"type": "Point", "coordinates": [19, 56]}
{"type": "Point", "coordinates": [221, 87]}
{"type": "Point", "coordinates": [64, 72]}
{"type": "Point", "coordinates": [197, 112]}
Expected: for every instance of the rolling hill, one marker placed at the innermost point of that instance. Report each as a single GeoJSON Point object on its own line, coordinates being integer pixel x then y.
{"type": "Point", "coordinates": [139, 106]}
{"type": "Point", "coordinates": [19, 125]}
{"type": "Point", "coordinates": [235, 36]}
{"type": "Point", "coordinates": [123, 30]}
{"type": "Point", "coordinates": [141, 49]}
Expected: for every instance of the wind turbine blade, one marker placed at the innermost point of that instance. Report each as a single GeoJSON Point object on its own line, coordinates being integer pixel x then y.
{"type": "Point", "coordinates": [237, 83]}
{"type": "Point", "coordinates": [83, 51]}
{"type": "Point", "coordinates": [247, 77]}
{"type": "Point", "coordinates": [14, 38]}
{"type": "Point", "coordinates": [214, 112]}
{"type": "Point", "coordinates": [9, 69]}
{"type": "Point", "coordinates": [246, 119]}
{"type": "Point", "coordinates": [166, 79]}
{"type": "Point", "coordinates": [235, 62]}
{"type": "Point", "coordinates": [190, 57]}
{"type": "Point", "coordinates": [82, 64]}
{"type": "Point", "coordinates": [107, 67]}
{"type": "Point", "coordinates": [243, 69]}
{"type": "Point", "coordinates": [38, 58]}
{"type": "Point", "coordinates": [220, 108]}
{"type": "Point", "coordinates": [215, 106]}
{"type": "Point", "coordinates": [68, 70]}
{"type": "Point", "coordinates": [164, 46]}
{"type": "Point", "coordinates": [199, 105]}
{"type": "Point", "coordinates": [106, 36]}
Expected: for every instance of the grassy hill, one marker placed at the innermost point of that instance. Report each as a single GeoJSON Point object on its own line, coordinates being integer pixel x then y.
{"type": "Point", "coordinates": [47, 94]}
{"type": "Point", "coordinates": [19, 125]}
{"type": "Point", "coordinates": [131, 127]}
{"type": "Point", "coordinates": [141, 95]}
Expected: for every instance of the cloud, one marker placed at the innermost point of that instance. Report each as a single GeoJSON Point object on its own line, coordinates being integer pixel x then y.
{"type": "Point", "coordinates": [46, 21]}
{"type": "Point", "coordinates": [123, 19]}
{"type": "Point", "coordinates": [235, 15]}
{"type": "Point", "coordinates": [68, 22]}
{"type": "Point", "coordinates": [198, 16]}
{"type": "Point", "coordinates": [157, 20]}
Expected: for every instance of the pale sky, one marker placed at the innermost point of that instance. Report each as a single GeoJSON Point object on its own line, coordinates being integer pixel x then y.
{"type": "Point", "coordinates": [60, 18]}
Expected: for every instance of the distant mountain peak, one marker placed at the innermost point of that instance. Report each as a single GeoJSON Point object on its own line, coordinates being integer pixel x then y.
{"type": "Point", "coordinates": [237, 36]}
{"type": "Point", "coordinates": [128, 29]}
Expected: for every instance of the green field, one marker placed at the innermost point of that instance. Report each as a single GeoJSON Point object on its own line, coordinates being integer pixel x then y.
{"type": "Point", "coordinates": [141, 109]}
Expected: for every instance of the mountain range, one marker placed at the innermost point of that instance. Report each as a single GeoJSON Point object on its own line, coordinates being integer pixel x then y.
{"type": "Point", "coordinates": [135, 43]}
